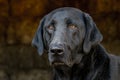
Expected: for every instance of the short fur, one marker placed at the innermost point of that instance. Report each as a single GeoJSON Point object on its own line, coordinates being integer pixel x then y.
{"type": "Point", "coordinates": [71, 37]}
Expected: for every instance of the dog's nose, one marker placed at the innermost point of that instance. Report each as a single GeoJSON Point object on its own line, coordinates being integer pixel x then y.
{"type": "Point", "coordinates": [57, 49]}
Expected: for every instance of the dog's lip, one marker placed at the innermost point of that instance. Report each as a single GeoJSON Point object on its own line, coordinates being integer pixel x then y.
{"type": "Point", "coordinates": [58, 63]}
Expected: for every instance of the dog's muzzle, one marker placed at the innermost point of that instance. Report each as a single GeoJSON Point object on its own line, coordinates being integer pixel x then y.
{"type": "Point", "coordinates": [56, 54]}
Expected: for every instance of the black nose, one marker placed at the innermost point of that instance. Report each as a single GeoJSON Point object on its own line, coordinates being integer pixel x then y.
{"type": "Point", "coordinates": [57, 49]}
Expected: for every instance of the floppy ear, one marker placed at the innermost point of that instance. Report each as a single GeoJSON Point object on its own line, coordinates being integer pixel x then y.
{"type": "Point", "coordinates": [38, 38]}
{"type": "Point", "coordinates": [92, 36]}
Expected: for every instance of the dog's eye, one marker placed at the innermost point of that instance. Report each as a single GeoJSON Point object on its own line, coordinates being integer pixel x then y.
{"type": "Point", "coordinates": [51, 27]}
{"type": "Point", "coordinates": [72, 26]}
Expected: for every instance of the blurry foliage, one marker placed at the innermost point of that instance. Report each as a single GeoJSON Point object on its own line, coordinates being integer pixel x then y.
{"type": "Point", "coordinates": [28, 7]}
{"type": "Point", "coordinates": [19, 20]}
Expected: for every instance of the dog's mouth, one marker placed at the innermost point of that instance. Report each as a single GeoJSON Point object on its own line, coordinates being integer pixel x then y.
{"type": "Point", "coordinates": [58, 63]}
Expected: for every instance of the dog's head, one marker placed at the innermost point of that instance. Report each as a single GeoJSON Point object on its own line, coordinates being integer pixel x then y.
{"type": "Point", "coordinates": [67, 34]}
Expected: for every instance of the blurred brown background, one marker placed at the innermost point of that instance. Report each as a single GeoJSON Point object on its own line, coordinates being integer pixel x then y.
{"type": "Point", "coordinates": [19, 20]}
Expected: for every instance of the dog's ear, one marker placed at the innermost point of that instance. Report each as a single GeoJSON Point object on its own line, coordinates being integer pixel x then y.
{"type": "Point", "coordinates": [38, 38]}
{"type": "Point", "coordinates": [92, 35]}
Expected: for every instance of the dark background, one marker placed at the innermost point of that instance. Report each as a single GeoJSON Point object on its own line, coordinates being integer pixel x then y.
{"type": "Point", "coordinates": [19, 20]}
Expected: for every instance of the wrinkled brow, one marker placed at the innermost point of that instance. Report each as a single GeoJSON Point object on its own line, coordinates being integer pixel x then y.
{"type": "Point", "coordinates": [68, 20]}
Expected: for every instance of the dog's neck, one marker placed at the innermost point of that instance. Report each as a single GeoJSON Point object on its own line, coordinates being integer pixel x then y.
{"type": "Point", "coordinates": [62, 73]}
{"type": "Point", "coordinates": [93, 66]}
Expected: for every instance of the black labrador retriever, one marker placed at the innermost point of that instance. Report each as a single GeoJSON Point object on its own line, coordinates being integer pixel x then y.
{"type": "Point", "coordinates": [73, 43]}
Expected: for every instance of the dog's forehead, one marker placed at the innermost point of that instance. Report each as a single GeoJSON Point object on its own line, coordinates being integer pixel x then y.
{"type": "Point", "coordinates": [65, 14]}
{"type": "Point", "coordinates": [61, 14]}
